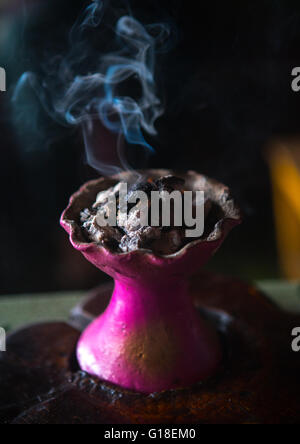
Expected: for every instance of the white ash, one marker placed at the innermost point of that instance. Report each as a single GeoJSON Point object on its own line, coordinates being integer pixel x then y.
{"type": "Point", "coordinates": [96, 233]}
{"type": "Point", "coordinates": [129, 235]}
{"type": "Point", "coordinates": [103, 196]}
{"type": "Point", "coordinates": [141, 238]}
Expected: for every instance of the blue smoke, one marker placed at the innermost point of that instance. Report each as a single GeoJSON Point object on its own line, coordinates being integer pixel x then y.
{"type": "Point", "coordinates": [81, 99]}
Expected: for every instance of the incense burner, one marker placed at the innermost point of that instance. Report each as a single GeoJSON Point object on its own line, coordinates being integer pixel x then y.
{"type": "Point", "coordinates": [151, 337]}
{"type": "Point", "coordinates": [251, 373]}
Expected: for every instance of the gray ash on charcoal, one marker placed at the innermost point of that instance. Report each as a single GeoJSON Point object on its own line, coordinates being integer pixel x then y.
{"type": "Point", "coordinates": [129, 235]}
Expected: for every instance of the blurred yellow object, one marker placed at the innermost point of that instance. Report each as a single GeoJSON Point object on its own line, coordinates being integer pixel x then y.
{"type": "Point", "coordinates": [284, 160]}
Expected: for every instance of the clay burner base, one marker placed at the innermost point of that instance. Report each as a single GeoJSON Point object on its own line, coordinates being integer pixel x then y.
{"type": "Point", "coordinates": [258, 382]}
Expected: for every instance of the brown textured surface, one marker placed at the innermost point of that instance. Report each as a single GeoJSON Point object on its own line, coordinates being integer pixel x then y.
{"type": "Point", "coordinates": [258, 382]}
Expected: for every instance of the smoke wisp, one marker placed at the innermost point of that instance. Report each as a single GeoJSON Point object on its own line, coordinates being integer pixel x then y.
{"type": "Point", "coordinates": [114, 87]}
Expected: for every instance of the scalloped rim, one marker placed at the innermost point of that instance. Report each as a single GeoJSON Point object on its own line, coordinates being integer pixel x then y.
{"type": "Point", "coordinates": [226, 203]}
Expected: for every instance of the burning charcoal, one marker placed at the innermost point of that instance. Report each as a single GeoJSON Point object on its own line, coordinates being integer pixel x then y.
{"type": "Point", "coordinates": [139, 239]}
{"type": "Point", "coordinates": [132, 222]}
{"type": "Point", "coordinates": [108, 235]}
{"type": "Point", "coordinates": [129, 235]}
{"type": "Point", "coordinates": [85, 215]}
{"type": "Point", "coordinates": [103, 196]}
{"type": "Point", "coordinates": [101, 235]}
{"type": "Point", "coordinates": [169, 243]}
{"type": "Point", "coordinates": [146, 186]}
{"type": "Point", "coordinates": [207, 207]}
{"type": "Point", "coordinates": [104, 212]}
{"type": "Point", "coordinates": [170, 183]}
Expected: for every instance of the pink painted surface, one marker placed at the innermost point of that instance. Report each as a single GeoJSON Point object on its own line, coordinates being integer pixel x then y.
{"type": "Point", "coordinates": [151, 337]}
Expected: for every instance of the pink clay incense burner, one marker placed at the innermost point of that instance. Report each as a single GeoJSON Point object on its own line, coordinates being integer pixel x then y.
{"type": "Point", "coordinates": [151, 337]}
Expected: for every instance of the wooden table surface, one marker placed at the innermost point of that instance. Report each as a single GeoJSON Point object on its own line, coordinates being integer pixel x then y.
{"type": "Point", "coordinates": [18, 310]}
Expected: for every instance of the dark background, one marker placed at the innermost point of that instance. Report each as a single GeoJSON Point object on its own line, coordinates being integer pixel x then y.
{"type": "Point", "coordinates": [226, 85]}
